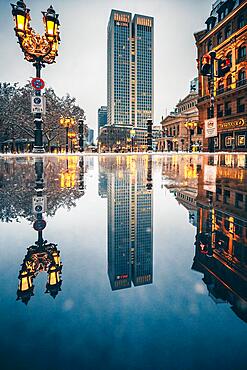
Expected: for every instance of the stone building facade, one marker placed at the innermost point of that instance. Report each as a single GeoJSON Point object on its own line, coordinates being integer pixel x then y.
{"type": "Point", "coordinates": [181, 130]}
{"type": "Point", "coordinates": [226, 34]}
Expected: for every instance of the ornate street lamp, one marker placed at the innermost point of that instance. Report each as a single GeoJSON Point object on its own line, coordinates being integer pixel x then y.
{"type": "Point", "coordinates": [38, 49]}
{"type": "Point", "coordinates": [190, 125]}
{"type": "Point", "coordinates": [67, 122]}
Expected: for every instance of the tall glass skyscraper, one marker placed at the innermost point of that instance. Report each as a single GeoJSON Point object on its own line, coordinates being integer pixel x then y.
{"type": "Point", "coordinates": [129, 70]}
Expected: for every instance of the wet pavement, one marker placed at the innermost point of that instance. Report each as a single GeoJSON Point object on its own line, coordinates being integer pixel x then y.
{"type": "Point", "coordinates": [123, 262]}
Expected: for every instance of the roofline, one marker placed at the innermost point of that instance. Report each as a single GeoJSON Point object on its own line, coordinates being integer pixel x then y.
{"type": "Point", "coordinates": [225, 20]}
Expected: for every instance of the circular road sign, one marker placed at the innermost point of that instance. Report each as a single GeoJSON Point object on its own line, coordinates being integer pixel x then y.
{"type": "Point", "coordinates": [39, 225]}
{"type": "Point", "coordinates": [38, 83]}
{"type": "Point", "coordinates": [37, 100]}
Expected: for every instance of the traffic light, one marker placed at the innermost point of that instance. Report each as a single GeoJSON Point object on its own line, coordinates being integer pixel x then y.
{"type": "Point", "coordinates": [206, 65]}
{"type": "Point", "coordinates": [224, 66]}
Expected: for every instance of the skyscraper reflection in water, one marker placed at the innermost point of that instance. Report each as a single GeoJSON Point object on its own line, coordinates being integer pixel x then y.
{"type": "Point", "coordinates": [130, 221]}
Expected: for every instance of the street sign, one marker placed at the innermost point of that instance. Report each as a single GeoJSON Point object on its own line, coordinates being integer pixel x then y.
{"type": "Point", "coordinates": [38, 83]}
{"type": "Point", "coordinates": [38, 104]}
{"type": "Point", "coordinates": [39, 204]}
{"type": "Point", "coordinates": [39, 225]}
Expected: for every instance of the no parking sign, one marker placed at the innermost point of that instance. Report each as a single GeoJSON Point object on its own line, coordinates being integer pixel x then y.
{"type": "Point", "coordinates": [38, 83]}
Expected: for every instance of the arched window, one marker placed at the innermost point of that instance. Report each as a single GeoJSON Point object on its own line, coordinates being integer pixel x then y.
{"type": "Point", "coordinates": [241, 74]}
{"type": "Point", "coordinates": [241, 53]}
{"type": "Point", "coordinates": [229, 56]}
{"type": "Point", "coordinates": [229, 81]}
{"type": "Point", "coordinates": [241, 78]}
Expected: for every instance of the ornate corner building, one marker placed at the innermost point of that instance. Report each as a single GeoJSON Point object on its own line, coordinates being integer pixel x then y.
{"type": "Point", "coordinates": [181, 129]}
{"type": "Point", "coordinates": [226, 34]}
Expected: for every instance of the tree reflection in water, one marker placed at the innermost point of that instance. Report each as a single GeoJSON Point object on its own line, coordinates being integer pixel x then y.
{"type": "Point", "coordinates": [44, 256]}
{"type": "Point", "coordinates": [17, 181]}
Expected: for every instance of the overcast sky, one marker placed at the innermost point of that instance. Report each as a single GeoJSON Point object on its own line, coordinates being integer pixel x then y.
{"type": "Point", "coordinates": [81, 65]}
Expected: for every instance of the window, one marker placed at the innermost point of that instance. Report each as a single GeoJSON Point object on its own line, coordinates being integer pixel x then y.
{"type": "Point", "coordinates": [219, 110]}
{"type": "Point", "coordinates": [228, 109]}
{"type": "Point", "coordinates": [228, 31]}
{"type": "Point", "coordinates": [241, 78]}
{"type": "Point", "coordinates": [241, 21]}
{"type": "Point", "coordinates": [241, 53]}
{"type": "Point", "coordinates": [240, 105]}
{"type": "Point", "coordinates": [229, 56]}
{"type": "Point", "coordinates": [220, 89]}
{"type": "Point", "coordinates": [239, 200]}
{"type": "Point", "coordinates": [219, 38]}
{"type": "Point", "coordinates": [220, 16]}
{"type": "Point", "coordinates": [229, 81]}
{"type": "Point", "coordinates": [210, 45]}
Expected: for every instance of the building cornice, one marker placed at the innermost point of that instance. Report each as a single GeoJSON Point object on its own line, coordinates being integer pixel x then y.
{"type": "Point", "coordinates": [221, 23]}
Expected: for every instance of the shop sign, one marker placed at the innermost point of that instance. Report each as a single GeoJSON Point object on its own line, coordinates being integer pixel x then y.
{"type": "Point", "coordinates": [210, 127]}
{"type": "Point", "coordinates": [233, 124]}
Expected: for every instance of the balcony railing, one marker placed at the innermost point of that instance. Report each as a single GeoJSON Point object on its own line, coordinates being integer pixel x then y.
{"type": "Point", "coordinates": [220, 90]}
{"type": "Point", "coordinates": [241, 82]}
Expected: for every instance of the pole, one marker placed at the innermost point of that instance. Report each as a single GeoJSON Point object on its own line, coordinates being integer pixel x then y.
{"type": "Point", "coordinates": [211, 88]}
{"type": "Point", "coordinates": [38, 132]}
{"type": "Point", "coordinates": [67, 140]}
{"type": "Point", "coordinates": [81, 129]}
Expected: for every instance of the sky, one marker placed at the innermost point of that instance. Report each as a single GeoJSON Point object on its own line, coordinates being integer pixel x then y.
{"type": "Point", "coordinates": [81, 70]}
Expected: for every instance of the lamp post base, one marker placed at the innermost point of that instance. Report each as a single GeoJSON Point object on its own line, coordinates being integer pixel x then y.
{"type": "Point", "coordinates": [38, 149]}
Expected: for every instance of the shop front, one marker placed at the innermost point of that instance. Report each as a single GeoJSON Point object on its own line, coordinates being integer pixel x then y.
{"type": "Point", "coordinates": [232, 136]}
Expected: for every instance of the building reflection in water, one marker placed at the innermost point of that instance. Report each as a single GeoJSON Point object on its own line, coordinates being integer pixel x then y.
{"type": "Point", "coordinates": [130, 220]}
{"type": "Point", "coordinates": [213, 190]}
{"type": "Point", "coordinates": [221, 240]}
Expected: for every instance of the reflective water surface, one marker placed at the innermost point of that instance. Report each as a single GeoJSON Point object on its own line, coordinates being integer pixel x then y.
{"type": "Point", "coordinates": [123, 262]}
